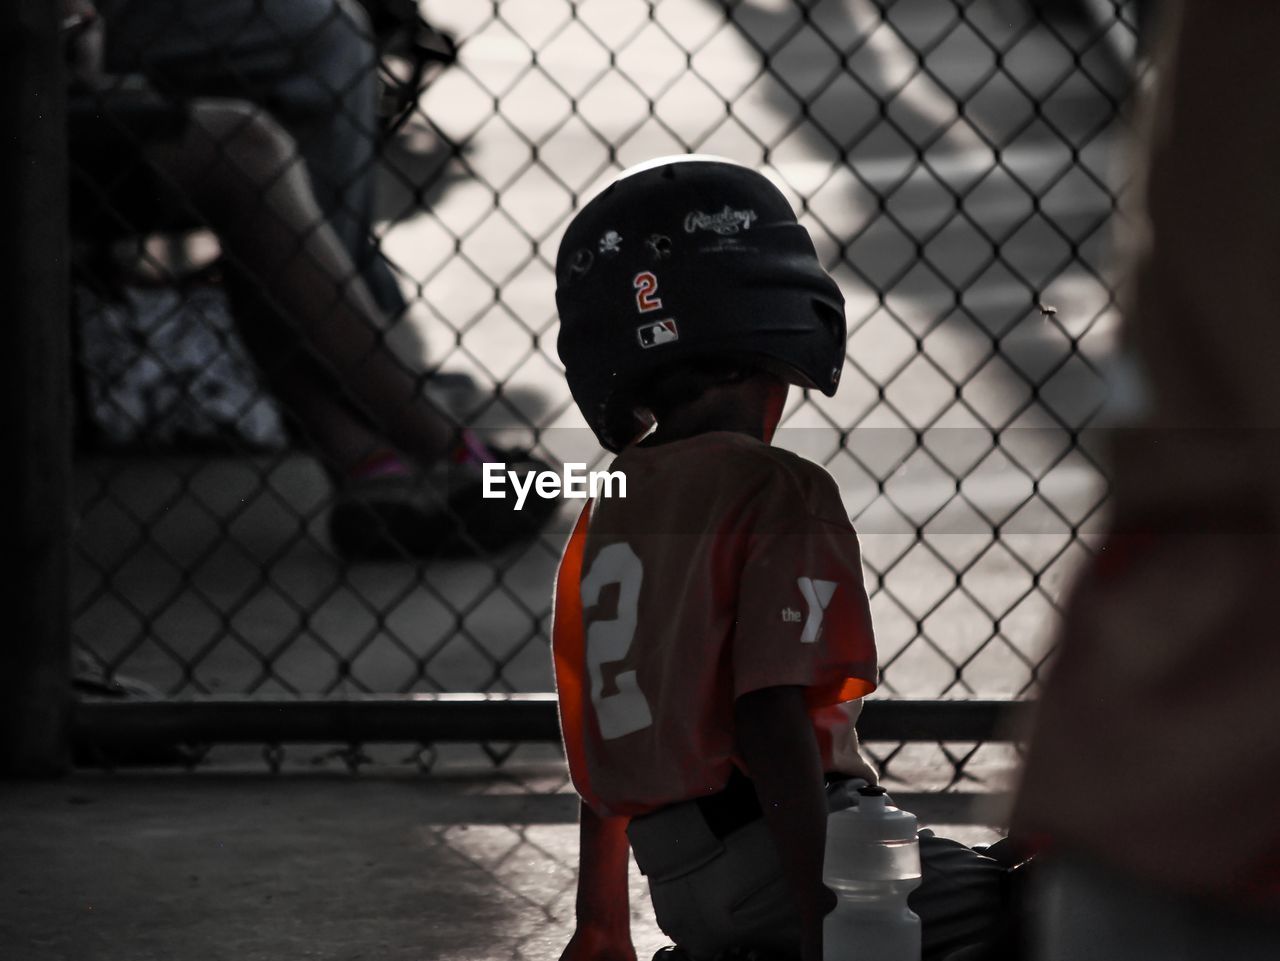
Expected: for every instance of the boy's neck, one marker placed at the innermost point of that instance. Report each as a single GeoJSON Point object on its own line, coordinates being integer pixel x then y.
{"type": "Point", "coordinates": [673, 429]}
{"type": "Point", "coordinates": [752, 407]}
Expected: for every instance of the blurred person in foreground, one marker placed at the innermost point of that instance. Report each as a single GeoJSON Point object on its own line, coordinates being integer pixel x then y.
{"type": "Point", "coordinates": [1153, 774]}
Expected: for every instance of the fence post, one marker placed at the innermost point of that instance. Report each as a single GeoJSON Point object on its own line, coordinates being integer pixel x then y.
{"type": "Point", "coordinates": [35, 693]}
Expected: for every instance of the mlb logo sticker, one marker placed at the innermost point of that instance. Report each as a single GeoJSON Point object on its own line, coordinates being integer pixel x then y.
{"type": "Point", "coordinates": [663, 332]}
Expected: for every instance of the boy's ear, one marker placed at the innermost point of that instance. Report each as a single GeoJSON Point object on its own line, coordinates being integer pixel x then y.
{"type": "Point", "coordinates": [645, 422]}
{"type": "Point", "coordinates": [775, 402]}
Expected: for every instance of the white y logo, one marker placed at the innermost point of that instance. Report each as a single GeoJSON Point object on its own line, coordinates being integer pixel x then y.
{"type": "Point", "coordinates": [817, 595]}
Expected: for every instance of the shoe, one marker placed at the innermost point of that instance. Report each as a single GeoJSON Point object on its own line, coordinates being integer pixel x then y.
{"type": "Point", "coordinates": [89, 747]}
{"type": "Point", "coordinates": [484, 525]}
{"type": "Point", "coordinates": [389, 518]}
{"type": "Point", "coordinates": [440, 512]}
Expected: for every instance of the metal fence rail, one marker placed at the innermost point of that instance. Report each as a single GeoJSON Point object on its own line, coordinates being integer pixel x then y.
{"type": "Point", "coordinates": [953, 161]}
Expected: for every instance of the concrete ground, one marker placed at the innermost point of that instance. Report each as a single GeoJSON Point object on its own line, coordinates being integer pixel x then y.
{"type": "Point", "coordinates": [460, 864]}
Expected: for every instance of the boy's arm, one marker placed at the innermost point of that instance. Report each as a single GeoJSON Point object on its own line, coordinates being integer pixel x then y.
{"type": "Point", "coordinates": [775, 739]}
{"type": "Point", "coordinates": [603, 931]}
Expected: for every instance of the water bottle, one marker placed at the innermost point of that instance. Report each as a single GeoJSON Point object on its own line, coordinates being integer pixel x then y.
{"type": "Point", "coordinates": [872, 863]}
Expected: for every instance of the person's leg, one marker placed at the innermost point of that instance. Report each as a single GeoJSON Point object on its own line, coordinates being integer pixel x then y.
{"type": "Point", "coordinates": [241, 174]}
{"type": "Point", "coordinates": [313, 328]}
{"type": "Point", "coordinates": [312, 399]}
{"type": "Point", "coordinates": [738, 899]}
{"type": "Point", "coordinates": [1087, 913]}
{"type": "Point", "coordinates": [311, 62]}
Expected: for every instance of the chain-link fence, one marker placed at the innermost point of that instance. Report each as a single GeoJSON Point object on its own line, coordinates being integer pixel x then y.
{"type": "Point", "coordinates": [954, 162]}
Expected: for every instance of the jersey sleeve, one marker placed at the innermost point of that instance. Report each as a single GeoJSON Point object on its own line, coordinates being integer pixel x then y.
{"type": "Point", "coordinates": [802, 615]}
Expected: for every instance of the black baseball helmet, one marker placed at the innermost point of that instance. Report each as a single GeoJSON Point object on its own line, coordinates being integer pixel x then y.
{"type": "Point", "coordinates": [681, 259]}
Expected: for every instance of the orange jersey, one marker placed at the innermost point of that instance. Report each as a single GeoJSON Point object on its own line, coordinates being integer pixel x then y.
{"type": "Point", "coordinates": [730, 566]}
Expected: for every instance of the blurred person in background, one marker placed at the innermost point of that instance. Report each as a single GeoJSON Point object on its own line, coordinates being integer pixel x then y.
{"type": "Point", "coordinates": [409, 481]}
{"type": "Point", "coordinates": [311, 63]}
{"type": "Point", "coordinates": [1153, 774]}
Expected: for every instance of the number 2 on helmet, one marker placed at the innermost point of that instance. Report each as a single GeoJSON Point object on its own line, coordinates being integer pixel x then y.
{"type": "Point", "coordinates": [646, 288]}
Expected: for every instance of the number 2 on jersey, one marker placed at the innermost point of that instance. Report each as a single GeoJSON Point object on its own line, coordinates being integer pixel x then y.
{"type": "Point", "coordinates": [608, 642]}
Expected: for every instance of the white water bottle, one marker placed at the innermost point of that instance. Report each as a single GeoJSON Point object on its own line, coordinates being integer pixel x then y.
{"type": "Point", "coordinates": [872, 863]}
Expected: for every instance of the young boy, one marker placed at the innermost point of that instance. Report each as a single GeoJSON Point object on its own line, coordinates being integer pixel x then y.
{"type": "Point", "coordinates": [712, 633]}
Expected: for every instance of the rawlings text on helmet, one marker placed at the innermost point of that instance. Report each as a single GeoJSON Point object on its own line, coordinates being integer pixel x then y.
{"type": "Point", "coordinates": [726, 222]}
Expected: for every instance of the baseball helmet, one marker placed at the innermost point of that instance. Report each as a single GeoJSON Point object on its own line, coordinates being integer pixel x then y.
{"type": "Point", "coordinates": [681, 259]}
